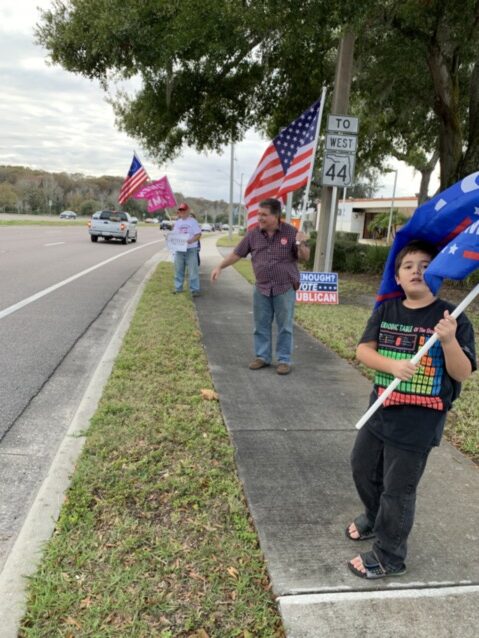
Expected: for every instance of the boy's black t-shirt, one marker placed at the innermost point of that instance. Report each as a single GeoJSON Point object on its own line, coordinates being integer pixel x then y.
{"type": "Point", "coordinates": [413, 416]}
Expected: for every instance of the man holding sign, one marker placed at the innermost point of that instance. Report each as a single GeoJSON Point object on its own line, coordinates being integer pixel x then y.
{"type": "Point", "coordinates": [186, 252]}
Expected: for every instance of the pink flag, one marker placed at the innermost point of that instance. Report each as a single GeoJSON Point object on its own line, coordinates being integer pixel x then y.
{"type": "Point", "coordinates": [158, 194]}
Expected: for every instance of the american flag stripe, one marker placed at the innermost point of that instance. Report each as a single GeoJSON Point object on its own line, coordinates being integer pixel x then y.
{"type": "Point", "coordinates": [270, 186]}
{"type": "Point", "coordinates": [137, 176]}
{"type": "Point", "coordinates": [270, 176]}
{"type": "Point", "coordinates": [285, 165]}
{"type": "Point", "coordinates": [132, 185]}
{"type": "Point", "coordinates": [273, 173]}
{"type": "Point", "coordinates": [264, 162]}
{"type": "Point", "coordinates": [296, 178]}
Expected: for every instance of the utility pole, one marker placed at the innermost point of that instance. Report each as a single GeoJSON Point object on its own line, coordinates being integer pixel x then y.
{"type": "Point", "coordinates": [230, 208]}
{"type": "Point", "coordinates": [340, 104]}
{"type": "Point", "coordinates": [289, 206]}
{"type": "Point", "coordinates": [388, 238]}
{"type": "Point", "coordinates": [240, 200]}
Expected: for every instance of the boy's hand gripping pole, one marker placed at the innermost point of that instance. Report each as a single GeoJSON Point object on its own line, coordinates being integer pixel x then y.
{"type": "Point", "coordinates": [417, 357]}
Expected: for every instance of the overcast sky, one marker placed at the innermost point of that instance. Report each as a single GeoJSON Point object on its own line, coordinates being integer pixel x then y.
{"type": "Point", "coordinates": [59, 121]}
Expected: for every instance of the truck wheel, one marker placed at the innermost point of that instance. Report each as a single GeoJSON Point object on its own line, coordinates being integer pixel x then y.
{"type": "Point", "coordinates": [133, 239]}
{"type": "Point", "coordinates": [125, 239]}
{"type": "Point", "coordinates": [94, 237]}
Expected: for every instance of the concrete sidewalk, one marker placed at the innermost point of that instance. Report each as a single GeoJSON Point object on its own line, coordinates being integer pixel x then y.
{"type": "Point", "coordinates": [293, 436]}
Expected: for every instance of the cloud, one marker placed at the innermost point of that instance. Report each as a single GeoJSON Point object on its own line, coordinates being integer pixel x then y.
{"type": "Point", "coordinates": [58, 121]}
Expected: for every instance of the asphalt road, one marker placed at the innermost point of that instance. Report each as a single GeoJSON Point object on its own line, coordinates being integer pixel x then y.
{"type": "Point", "coordinates": [35, 338]}
{"type": "Point", "coordinates": [61, 298]}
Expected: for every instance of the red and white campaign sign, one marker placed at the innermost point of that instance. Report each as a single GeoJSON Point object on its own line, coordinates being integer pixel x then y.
{"type": "Point", "coordinates": [318, 287]}
{"type": "Point", "coordinates": [317, 297]}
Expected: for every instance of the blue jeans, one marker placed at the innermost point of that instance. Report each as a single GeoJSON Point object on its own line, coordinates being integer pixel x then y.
{"type": "Point", "coordinates": [386, 479]}
{"type": "Point", "coordinates": [188, 259]}
{"type": "Point", "coordinates": [265, 309]}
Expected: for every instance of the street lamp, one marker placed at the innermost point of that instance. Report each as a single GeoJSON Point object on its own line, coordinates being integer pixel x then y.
{"type": "Point", "coordinates": [395, 171]}
{"type": "Point", "coordinates": [240, 184]}
{"type": "Point", "coordinates": [240, 199]}
{"type": "Point", "coordinates": [230, 207]}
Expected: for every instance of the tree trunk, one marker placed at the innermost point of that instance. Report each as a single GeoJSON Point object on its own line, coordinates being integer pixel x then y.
{"type": "Point", "coordinates": [446, 107]}
{"type": "Point", "coordinates": [426, 172]}
{"type": "Point", "coordinates": [470, 162]}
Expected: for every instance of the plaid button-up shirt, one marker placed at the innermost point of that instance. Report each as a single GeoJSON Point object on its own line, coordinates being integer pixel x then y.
{"type": "Point", "coordinates": [275, 258]}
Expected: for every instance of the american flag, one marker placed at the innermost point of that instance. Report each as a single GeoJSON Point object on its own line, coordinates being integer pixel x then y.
{"type": "Point", "coordinates": [135, 178]}
{"type": "Point", "coordinates": [286, 163]}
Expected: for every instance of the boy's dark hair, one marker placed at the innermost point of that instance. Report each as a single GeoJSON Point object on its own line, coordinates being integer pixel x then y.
{"type": "Point", "coordinates": [273, 204]}
{"type": "Point", "coordinates": [415, 246]}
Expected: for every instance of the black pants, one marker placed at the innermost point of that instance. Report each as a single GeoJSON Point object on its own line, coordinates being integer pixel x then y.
{"type": "Point", "coordinates": [386, 479]}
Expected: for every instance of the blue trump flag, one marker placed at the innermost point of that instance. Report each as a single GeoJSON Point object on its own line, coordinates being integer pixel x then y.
{"type": "Point", "coordinates": [438, 221]}
{"type": "Point", "coordinates": [457, 260]}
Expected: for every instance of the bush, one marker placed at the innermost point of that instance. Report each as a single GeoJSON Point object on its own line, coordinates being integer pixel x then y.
{"type": "Point", "coordinates": [313, 235]}
{"type": "Point", "coordinates": [347, 236]}
{"type": "Point", "coordinates": [350, 256]}
{"type": "Point", "coordinates": [88, 207]}
{"type": "Point", "coordinates": [376, 258]}
{"type": "Point", "coordinates": [465, 284]}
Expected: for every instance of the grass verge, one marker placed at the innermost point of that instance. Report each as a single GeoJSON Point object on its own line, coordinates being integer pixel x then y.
{"type": "Point", "coordinates": [43, 222]}
{"type": "Point", "coordinates": [154, 539]}
{"type": "Point", "coordinates": [340, 327]}
{"type": "Point", "coordinates": [226, 242]}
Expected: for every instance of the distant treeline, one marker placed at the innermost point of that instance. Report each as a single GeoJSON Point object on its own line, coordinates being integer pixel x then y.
{"type": "Point", "coordinates": [27, 191]}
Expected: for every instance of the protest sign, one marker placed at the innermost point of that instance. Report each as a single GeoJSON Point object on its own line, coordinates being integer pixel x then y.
{"type": "Point", "coordinates": [177, 242]}
{"type": "Point", "coordinates": [318, 287]}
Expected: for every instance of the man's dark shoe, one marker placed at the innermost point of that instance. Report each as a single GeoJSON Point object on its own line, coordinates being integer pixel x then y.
{"type": "Point", "coordinates": [176, 292]}
{"type": "Point", "coordinates": [283, 368]}
{"type": "Point", "coordinates": [195, 293]}
{"type": "Point", "coordinates": [257, 364]}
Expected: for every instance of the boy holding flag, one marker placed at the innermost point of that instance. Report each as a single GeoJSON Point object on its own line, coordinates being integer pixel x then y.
{"type": "Point", "coordinates": [391, 451]}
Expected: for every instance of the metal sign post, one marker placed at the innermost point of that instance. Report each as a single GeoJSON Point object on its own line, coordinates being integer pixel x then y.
{"type": "Point", "coordinates": [332, 217]}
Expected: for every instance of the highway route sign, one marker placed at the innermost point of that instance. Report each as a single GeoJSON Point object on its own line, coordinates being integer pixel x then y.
{"type": "Point", "coordinates": [343, 124]}
{"type": "Point", "coordinates": [338, 169]}
{"type": "Point", "coordinates": [342, 143]}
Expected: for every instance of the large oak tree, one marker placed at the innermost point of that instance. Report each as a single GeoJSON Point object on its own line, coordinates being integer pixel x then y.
{"type": "Point", "coordinates": [208, 71]}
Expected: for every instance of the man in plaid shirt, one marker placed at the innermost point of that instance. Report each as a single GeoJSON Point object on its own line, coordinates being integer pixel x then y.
{"type": "Point", "coordinates": [275, 249]}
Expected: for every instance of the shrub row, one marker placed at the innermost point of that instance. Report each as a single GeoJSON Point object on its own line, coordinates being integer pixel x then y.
{"type": "Point", "coordinates": [349, 256]}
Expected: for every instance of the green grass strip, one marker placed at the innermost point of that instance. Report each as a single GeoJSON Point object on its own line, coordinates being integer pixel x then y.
{"type": "Point", "coordinates": [155, 538]}
{"type": "Point", "coordinates": [43, 222]}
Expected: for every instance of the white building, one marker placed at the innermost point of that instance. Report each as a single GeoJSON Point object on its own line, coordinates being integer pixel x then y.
{"type": "Point", "coordinates": [354, 215]}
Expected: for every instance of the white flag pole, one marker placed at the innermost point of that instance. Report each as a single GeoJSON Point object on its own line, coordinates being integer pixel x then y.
{"type": "Point", "coordinates": [417, 357]}
{"type": "Point", "coordinates": [308, 184]}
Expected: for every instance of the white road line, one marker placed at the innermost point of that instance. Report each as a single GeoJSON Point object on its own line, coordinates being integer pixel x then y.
{"type": "Point", "coordinates": [38, 295]}
{"type": "Point", "coordinates": [56, 243]}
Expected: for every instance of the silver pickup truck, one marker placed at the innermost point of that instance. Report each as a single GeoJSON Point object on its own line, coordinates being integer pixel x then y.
{"type": "Point", "coordinates": [113, 224]}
